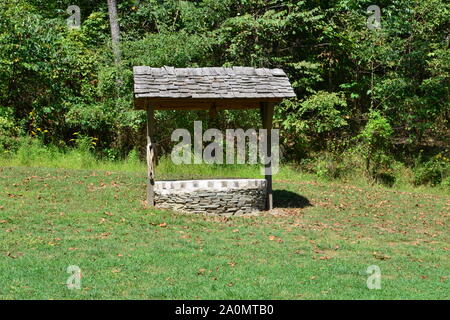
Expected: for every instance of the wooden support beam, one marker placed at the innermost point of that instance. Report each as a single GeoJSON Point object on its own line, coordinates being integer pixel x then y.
{"type": "Point", "coordinates": [200, 104]}
{"type": "Point", "coordinates": [213, 111]}
{"type": "Point", "coordinates": [151, 155]}
{"type": "Point", "coordinates": [267, 109]}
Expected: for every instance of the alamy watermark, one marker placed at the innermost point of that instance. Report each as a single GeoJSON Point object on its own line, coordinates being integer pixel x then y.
{"type": "Point", "coordinates": [374, 20]}
{"type": "Point", "coordinates": [374, 280]}
{"type": "Point", "coordinates": [74, 21]}
{"type": "Point", "coordinates": [262, 146]}
{"type": "Point", "coordinates": [74, 281]}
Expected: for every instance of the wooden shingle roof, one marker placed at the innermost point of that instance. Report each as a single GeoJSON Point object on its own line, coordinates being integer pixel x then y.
{"type": "Point", "coordinates": [206, 84]}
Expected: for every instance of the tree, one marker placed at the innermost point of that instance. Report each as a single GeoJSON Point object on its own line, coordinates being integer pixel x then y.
{"type": "Point", "coordinates": [115, 32]}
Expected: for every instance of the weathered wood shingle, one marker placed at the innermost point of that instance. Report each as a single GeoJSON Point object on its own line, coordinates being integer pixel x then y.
{"type": "Point", "coordinates": [211, 83]}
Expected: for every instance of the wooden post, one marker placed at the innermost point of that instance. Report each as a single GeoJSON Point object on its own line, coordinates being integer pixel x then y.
{"type": "Point", "coordinates": [150, 157]}
{"type": "Point", "coordinates": [267, 116]}
{"type": "Point", "coordinates": [213, 111]}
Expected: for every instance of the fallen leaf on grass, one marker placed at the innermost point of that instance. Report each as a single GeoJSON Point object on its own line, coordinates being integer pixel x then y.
{"type": "Point", "coordinates": [18, 254]}
{"type": "Point", "coordinates": [201, 271]}
{"type": "Point", "coordinates": [108, 213]}
{"type": "Point", "coordinates": [162, 225]}
{"type": "Point", "coordinates": [12, 195]}
{"type": "Point", "coordinates": [144, 203]}
{"type": "Point", "coordinates": [72, 249]}
{"type": "Point", "coordinates": [380, 256]}
{"type": "Point", "coordinates": [325, 258]}
{"type": "Point", "coordinates": [115, 270]}
{"type": "Point", "coordinates": [272, 238]}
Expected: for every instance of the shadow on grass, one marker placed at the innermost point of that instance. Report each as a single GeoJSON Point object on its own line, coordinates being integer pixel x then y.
{"type": "Point", "coordinates": [289, 199]}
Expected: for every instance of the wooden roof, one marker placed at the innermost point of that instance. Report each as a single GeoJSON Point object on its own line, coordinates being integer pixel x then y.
{"type": "Point", "coordinates": [203, 88]}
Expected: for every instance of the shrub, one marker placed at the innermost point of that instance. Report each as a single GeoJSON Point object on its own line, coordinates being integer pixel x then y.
{"type": "Point", "coordinates": [9, 132]}
{"type": "Point", "coordinates": [31, 150]}
{"type": "Point", "coordinates": [433, 172]}
{"type": "Point", "coordinates": [375, 144]}
{"type": "Point", "coordinates": [329, 167]}
{"type": "Point", "coordinates": [316, 121]}
{"type": "Point", "coordinates": [446, 182]}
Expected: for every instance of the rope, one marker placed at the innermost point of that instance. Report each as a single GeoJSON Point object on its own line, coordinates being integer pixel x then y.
{"type": "Point", "coordinates": [150, 160]}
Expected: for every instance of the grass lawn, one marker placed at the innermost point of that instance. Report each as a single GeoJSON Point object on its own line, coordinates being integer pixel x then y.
{"type": "Point", "coordinates": [318, 246]}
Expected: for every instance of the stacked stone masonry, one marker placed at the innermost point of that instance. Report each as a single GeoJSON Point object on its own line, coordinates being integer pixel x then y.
{"type": "Point", "coordinates": [227, 197]}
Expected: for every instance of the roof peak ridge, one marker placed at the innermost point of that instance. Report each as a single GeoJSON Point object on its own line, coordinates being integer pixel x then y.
{"type": "Point", "coordinates": [211, 71]}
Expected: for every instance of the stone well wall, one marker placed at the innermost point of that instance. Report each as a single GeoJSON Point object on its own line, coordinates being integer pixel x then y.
{"type": "Point", "coordinates": [226, 197]}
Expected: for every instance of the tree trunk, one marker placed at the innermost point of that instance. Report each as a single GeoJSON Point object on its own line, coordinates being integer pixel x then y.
{"type": "Point", "coordinates": [115, 32]}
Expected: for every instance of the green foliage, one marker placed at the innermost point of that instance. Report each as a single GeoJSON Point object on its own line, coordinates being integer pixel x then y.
{"type": "Point", "coordinates": [63, 81]}
{"type": "Point", "coordinates": [9, 131]}
{"type": "Point", "coordinates": [85, 143]}
{"type": "Point", "coordinates": [324, 111]}
{"type": "Point", "coordinates": [316, 120]}
{"type": "Point", "coordinates": [32, 150]}
{"type": "Point", "coordinates": [330, 166]}
{"type": "Point", "coordinates": [306, 75]}
{"type": "Point", "coordinates": [433, 172]}
{"type": "Point", "coordinates": [446, 183]}
{"type": "Point", "coordinates": [178, 49]}
{"type": "Point", "coordinates": [375, 144]}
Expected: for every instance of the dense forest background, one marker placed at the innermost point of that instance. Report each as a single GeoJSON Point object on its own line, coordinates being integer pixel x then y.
{"type": "Point", "coordinates": [370, 101]}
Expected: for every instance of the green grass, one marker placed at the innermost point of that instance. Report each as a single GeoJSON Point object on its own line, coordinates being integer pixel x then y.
{"type": "Point", "coordinates": [318, 247]}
